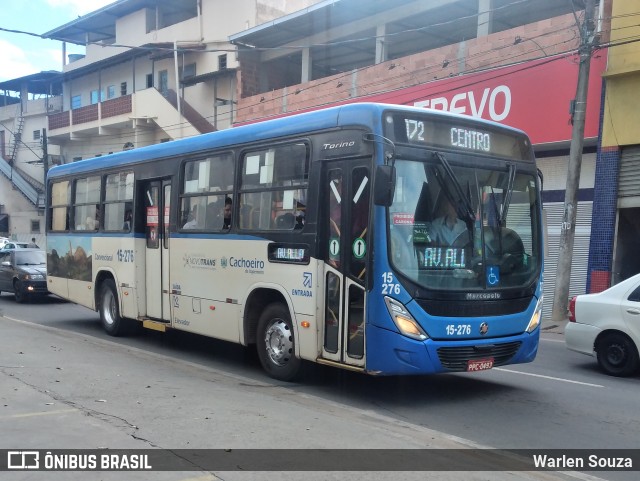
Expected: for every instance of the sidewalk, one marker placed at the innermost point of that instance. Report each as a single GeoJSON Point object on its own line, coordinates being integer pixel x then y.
{"type": "Point", "coordinates": [549, 326]}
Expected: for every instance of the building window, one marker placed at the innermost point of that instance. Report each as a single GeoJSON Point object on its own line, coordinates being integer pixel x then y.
{"type": "Point", "coordinates": [163, 82]}
{"type": "Point", "coordinates": [188, 71]}
{"type": "Point", "coordinates": [36, 135]}
{"type": "Point", "coordinates": [95, 96]}
{"type": "Point", "coordinates": [149, 80]}
{"type": "Point", "coordinates": [222, 62]}
{"type": "Point", "coordinates": [111, 91]}
{"type": "Point", "coordinates": [35, 226]}
{"type": "Point", "coordinates": [76, 102]}
{"type": "Point", "coordinates": [123, 88]}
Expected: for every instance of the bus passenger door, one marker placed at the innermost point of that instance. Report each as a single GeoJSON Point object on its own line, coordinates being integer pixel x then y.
{"type": "Point", "coordinates": [157, 198]}
{"type": "Point", "coordinates": [346, 191]}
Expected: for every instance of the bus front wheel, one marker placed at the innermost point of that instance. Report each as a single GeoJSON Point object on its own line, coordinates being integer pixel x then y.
{"type": "Point", "coordinates": [112, 322]}
{"type": "Point", "coordinates": [276, 343]}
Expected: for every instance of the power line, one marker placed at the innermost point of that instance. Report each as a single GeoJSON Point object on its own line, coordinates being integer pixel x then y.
{"type": "Point", "coordinates": [169, 128]}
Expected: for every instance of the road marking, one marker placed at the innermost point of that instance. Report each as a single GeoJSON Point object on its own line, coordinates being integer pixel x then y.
{"type": "Point", "coordinates": [548, 377]}
{"type": "Point", "coordinates": [42, 413]}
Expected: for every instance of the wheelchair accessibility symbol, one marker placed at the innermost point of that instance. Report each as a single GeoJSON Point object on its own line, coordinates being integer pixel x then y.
{"type": "Point", "coordinates": [493, 275]}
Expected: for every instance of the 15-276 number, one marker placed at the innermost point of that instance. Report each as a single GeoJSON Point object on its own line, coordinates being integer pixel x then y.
{"type": "Point", "coordinates": [124, 255]}
{"type": "Point", "coordinates": [458, 329]}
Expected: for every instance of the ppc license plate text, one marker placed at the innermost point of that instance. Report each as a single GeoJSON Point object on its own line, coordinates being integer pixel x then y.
{"type": "Point", "coordinates": [479, 364]}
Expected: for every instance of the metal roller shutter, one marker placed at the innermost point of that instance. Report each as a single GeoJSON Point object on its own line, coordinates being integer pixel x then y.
{"type": "Point", "coordinates": [580, 260]}
{"type": "Point", "coordinates": [629, 178]}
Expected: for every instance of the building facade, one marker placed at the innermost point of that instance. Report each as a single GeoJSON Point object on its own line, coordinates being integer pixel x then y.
{"type": "Point", "coordinates": [614, 254]}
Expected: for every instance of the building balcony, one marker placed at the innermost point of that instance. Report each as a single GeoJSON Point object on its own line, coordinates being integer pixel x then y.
{"type": "Point", "coordinates": [144, 109]}
{"type": "Point", "coordinates": [112, 113]}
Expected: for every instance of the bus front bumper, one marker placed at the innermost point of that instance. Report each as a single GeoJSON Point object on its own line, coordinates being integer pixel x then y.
{"type": "Point", "coordinates": [390, 353]}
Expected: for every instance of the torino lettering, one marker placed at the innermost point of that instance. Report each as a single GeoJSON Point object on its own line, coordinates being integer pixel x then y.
{"type": "Point", "coordinates": [466, 103]}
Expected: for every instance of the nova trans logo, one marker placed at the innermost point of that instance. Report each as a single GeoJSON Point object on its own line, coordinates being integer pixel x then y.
{"type": "Point", "coordinates": [199, 262]}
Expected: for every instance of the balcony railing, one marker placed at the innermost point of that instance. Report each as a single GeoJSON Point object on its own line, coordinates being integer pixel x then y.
{"type": "Point", "coordinates": [91, 113]}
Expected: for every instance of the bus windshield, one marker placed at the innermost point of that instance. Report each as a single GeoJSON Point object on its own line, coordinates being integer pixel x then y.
{"type": "Point", "coordinates": [466, 228]}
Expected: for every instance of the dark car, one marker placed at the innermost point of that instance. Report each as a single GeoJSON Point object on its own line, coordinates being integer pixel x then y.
{"type": "Point", "coordinates": [24, 272]}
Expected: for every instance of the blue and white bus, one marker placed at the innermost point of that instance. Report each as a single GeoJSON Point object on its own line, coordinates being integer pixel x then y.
{"type": "Point", "coordinates": [316, 237]}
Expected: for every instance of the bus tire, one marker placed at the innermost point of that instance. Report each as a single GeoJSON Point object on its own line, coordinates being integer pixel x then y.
{"type": "Point", "coordinates": [112, 322]}
{"type": "Point", "coordinates": [276, 344]}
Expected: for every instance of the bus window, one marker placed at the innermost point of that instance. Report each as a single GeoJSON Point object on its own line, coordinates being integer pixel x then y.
{"type": "Point", "coordinates": [60, 200]}
{"type": "Point", "coordinates": [274, 188]}
{"type": "Point", "coordinates": [118, 207]}
{"type": "Point", "coordinates": [86, 211]}
{"type": "Point", "coordinates": [207, 189]}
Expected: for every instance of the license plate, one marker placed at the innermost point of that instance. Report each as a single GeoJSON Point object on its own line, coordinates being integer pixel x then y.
{"type": "Point", "coordinates": [479, 364]}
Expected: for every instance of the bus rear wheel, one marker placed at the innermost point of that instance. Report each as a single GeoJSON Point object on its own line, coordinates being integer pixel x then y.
{"type": "Point", "coordinates": [276, 344]}
{"type": "Point", "coordinates": [112, 322]}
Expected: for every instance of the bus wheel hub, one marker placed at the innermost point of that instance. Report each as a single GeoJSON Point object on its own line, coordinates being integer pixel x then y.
{"type": "Point", "coordinates": [278, 342]}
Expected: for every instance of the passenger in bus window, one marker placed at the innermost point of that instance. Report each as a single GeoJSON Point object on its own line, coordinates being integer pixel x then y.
{"type": "Point", "coordinates": [128, 217]}
{"type": "Point", "coordinates": [192, 222]}
{"type": "Point", "coordinates": [448, 229]}
{"type": "Point", "coordinates": [219, 217]}
{"type": "Point", "coordinates": [226, 213]}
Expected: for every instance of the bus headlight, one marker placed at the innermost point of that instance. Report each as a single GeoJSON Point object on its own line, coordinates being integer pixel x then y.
{"type": "Point", "coordinates": [537, 316]}
{"type": "Point", "coordinates": [404, 321]}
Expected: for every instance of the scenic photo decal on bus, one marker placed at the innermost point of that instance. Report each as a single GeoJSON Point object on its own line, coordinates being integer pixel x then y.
{"type": "Point", "coordinates": [70, 257]}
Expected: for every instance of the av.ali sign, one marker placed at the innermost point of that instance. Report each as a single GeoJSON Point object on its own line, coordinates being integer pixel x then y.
{"type": "Point", "coordinates": [533, 96]}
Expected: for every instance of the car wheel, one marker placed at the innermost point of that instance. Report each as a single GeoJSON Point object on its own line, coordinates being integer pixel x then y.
{"type": "Point", "coordinates": [112, 322]}
{"type": "Point", "coordinates": [617, 355]}
{"type": "Point", "coordinates": [18, 292]}
{"type": "Point", "coordinates": [276, 344]}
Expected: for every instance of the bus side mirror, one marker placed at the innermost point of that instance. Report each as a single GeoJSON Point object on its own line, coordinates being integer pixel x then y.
{"type": "Point", "coordinates": [385, 185]}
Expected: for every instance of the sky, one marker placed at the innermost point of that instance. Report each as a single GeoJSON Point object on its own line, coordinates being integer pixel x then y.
{"type": "Point", "coordinates": [24, 54]}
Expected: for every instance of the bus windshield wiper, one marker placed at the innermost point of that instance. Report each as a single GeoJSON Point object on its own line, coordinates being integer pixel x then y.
{"type": "Point", "coordinates": [470, 214]}
{"type": "Point", "coordinates": [507, 196]}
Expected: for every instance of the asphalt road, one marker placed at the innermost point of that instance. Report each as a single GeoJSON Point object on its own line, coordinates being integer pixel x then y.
{"type": "Point", "coordinates": [561, 401]}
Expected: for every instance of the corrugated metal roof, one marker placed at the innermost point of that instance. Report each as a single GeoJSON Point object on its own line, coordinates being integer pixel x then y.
{"type": "Point", "coordinates": [49, 82]}
{"type": "Point", "coordinates": [101, 24]}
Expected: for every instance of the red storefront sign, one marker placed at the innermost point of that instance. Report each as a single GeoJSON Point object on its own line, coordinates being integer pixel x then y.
{"type": "Point", "coordinates": [533, 96]}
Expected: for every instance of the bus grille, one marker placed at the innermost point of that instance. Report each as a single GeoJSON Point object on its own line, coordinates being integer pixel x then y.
{"type": "Point", "coordinates": [455, 358]}
{"type": "Point", "coordinates": [458, 308]}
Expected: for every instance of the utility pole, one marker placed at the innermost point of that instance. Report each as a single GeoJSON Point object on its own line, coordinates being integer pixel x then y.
{"type": "Point", "coordinates": [45, 153]}
{"type": "Point", "coordinates": [567, 234]}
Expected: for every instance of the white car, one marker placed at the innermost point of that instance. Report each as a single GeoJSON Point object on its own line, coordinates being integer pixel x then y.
{"type": "Point", "coordinates": [11, 245]}
{"type": "Point", "coordinates": [607, 325]}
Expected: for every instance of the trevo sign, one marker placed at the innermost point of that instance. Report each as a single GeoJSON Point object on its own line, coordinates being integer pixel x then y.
{"type": "Point", "coordinates": [533, 96]}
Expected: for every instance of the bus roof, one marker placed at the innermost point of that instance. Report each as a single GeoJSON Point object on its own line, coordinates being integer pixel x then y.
{"type": "Point", "coordinates": [349, 114]}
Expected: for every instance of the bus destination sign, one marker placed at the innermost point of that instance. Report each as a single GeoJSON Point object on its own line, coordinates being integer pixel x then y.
{"type": "Point", "coordinates": [289, 253]}
{"type": "Point", "coordinates": [443, 258]}
{"type": "Point", "coordinates": [455, 135]}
